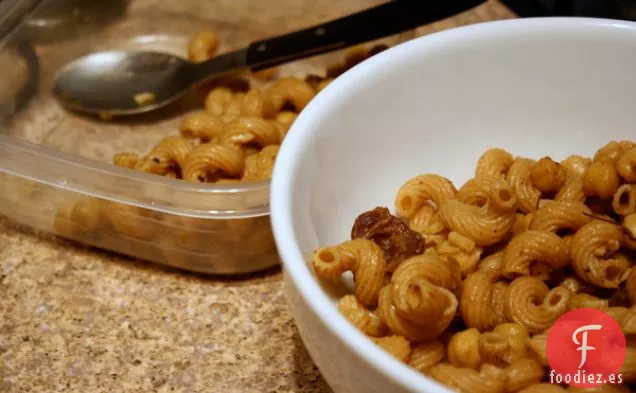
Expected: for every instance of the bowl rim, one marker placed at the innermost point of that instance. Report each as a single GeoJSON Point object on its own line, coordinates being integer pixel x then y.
{"type": "Point", "coordinates": [300, 136]}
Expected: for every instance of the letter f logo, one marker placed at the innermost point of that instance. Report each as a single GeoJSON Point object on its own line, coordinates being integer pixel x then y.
{"type": "Point", "coordinates": [583, 344]}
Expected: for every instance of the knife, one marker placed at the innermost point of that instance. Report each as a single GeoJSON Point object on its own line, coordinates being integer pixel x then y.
{"type": "Point", "coordinates": [384, 20]}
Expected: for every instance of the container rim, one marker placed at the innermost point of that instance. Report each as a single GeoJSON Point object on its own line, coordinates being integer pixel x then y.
{"type": "Point", "coordinates": [98, 179]}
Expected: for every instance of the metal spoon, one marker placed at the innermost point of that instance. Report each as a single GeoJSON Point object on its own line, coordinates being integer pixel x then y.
{"type": "Point", "coordinates": [118, 83]}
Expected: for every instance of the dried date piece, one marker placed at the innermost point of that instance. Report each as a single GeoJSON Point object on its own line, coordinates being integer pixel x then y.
{"type": "Point", "coordinates": [389, 232]}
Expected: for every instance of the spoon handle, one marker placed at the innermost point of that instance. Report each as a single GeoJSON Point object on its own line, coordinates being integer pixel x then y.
{"type": "Point", "coordinates": [384, 20]}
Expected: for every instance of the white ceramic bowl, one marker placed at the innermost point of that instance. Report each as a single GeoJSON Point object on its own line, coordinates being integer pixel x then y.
{"type": "Point", "coordinates": [535, 87]}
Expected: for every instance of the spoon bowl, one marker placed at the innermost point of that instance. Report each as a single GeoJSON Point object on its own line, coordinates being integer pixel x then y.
{"type": "Point", "coordinates": [122, 83]}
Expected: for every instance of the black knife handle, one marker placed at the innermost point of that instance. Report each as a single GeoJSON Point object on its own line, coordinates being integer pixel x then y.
{"type": "Point", "coordinates": [374, 23]}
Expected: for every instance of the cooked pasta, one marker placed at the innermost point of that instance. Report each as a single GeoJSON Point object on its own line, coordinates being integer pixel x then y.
{"type": "Point", "coordinates": [462, 250]}
{"type": "Point", "coordinates": [596, 257]}
{"type": "Point", "coordinates": [266, 74]}
{"type": "Point", "coordinates": [559, 216]}
{"type": "Point", "coordinates": [260, 166]}
{"type": "Point", "coordinates": [572, 284]}
{"type": "Point", "coordinates": [167, 154]}
{"type": "Point", "coordinates": [419, 303]}
{"type": "Point", "coordinates": [629, 366]}
{"type": "Point", "coordinates": [575, 165]}
{"type": "Point", "coordinates": [324, 83]}
{"type": "Point", "coordinates": [361, 317]}
{"type": "Point", "coordinates": [203, 46]}
{"type": "Point", "coordinates": [427, 354]}
{"type": "Point", "coordinates": [422, 190]}
{"type": "Point", "coordinates": [427, 222]}
{"type": "Point", "coordinates": [517, 336]}
{"type": "Point", "coordinates": [286, 118]}
{"type": "Point", "coordinates": [548, 176]}
{"type": "Point", "coordinates": [584, 300]}
{"type": "Point", "coordinates": [630, 286]}
{"type": "Point", "coordinates": [493, 163]}
{"type": "Point", "coordinates": [397, 346]}
{"type": "Point", "coordinates": [522, 223]}
{"type": "Point", "coordinates": [489, 379]}
{"type": "Point", "coordinates": [537, 346]}
{"type": "Point", "coordinates": [360, 256]}
{"type": "Point", "coordinates": [528, 249]}
{"type": "Point", "coordinates": [63, 222]}
{"type": "Point", "coordinates": [520, 178]}
{"type": "Point", "coordinates": [252, 130]}
{"type": "Point", "coordinates": [523, 373]}
{"type": "Point", "coordinates": [482, 301]}
{"type": "Point", "coordinates": [82, 216]}
{"type": "Point", "coordinates": [492, 265]}
{"type": "Point", "coordinates": [290, 90]}
{"type": "Point", "coordinates": [629, 228]}
{"type": "Point", "coordinates": [624, 200]}
{"type": "Point", "coordinates": [612, 151]}
{"type": "Point", "coordinates": [439, 309]}
{"type": "Point", "coordinates": [207, 160]}
{"type": "Point", "coordinates": [234, 108]}
{"type": "Point", "coordinates": [494, 348]}
{"type": "Point", "coordinates": [626, 165]}
{"type": "Point", "coordinates": [257, 104]}
{"type": "Point", "coordinates": [218, 100]}
{"type": "Point", "coordinates": [620, 297]}
{"type": "Point", "coordinates": [201, 125]}
{"type": "Point", "coordinates": [252, 116]}
{"type": "Point", "coordinates": [126, 160]}
{"type": "Point", "coordinates": [626, 318]}
{"type": "Point", "coordinates": [601, 179]}
{"type": "Point", "coordinates": [130, 220]}
{"type": "Point", "coordinates": [493, 192]}
{"type": "Point", "coordinates": [531, 303]}
{"type": "Point", "coordinates": [463, 349]}
{"type": "Point", "coordinates": [572, 190]}
{"type": "Point", "coordinates": [355, 55]}
{"type": "Point", "coordinates": [483, 225]}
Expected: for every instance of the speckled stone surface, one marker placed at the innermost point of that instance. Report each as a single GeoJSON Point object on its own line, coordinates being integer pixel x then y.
{"type": "Point", "coordinates": [80, 320]}
{"type": "Point", "coordinates": [74, 319]}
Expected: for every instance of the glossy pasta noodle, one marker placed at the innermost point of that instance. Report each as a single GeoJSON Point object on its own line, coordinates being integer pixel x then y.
{"type": "Point", "coordinates": [530, 248]}
{"type": "Point", "coordinates": [419, 303]}
{"type": "Point", "coordinates": [520, 178]}
{"type": "Point", "coordinates": [494, 163]}
{"type": "Point", "coordinates": [607, 268]}
{"type": "Point", "coordinates": [427, 354]}
{"type": "Point", "coordinates": [208, 160]}
{"type": "Point", "coordinates": [362, 257]}
{"type": "Point", "coordinates": [505, 255]}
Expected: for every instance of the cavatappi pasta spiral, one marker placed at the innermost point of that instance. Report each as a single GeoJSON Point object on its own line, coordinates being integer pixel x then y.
{"type": "Point", "coordinates": [252, 115]}
{"type": "Point", "coordinates": [504, 256]}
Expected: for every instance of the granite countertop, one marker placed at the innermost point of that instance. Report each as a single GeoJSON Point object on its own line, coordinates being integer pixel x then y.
{"type": "Point", "coordinates": [74, 319]}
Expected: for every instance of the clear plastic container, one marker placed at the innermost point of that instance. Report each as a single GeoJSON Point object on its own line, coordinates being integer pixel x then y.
{"type": "Point", "coordinates": [55, 168]}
